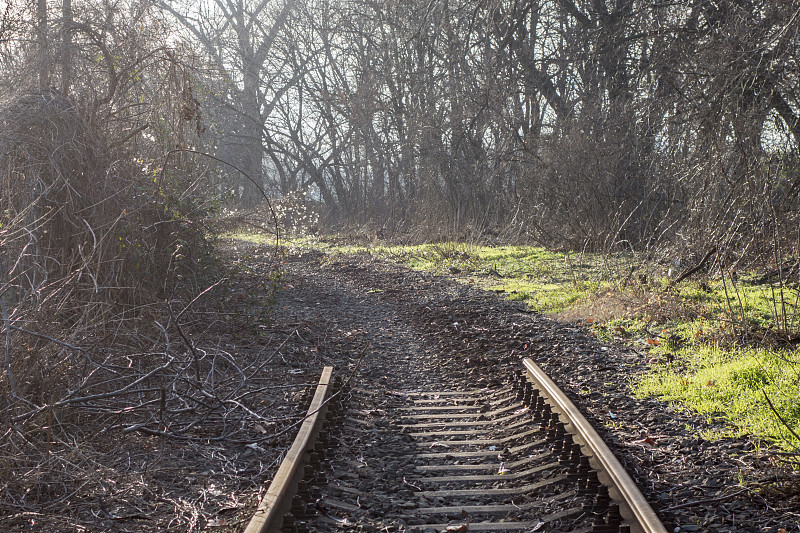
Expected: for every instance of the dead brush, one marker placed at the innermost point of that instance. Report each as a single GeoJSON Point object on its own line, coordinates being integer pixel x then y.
{"type": "Point", "coordinates": [296, 215]}
{"type": "Point", "coordinates": [293, 215]}
{"type": "Point", "coordinates": [97, 271]}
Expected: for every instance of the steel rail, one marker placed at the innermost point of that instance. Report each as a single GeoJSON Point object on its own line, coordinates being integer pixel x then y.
{"type": "Point", "coordinates": [277, 501]}
{"type": "Point", "coordinates": [633, 506]}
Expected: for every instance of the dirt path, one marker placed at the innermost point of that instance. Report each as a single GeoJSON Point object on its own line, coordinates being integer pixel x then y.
{"type": "Point", "coordinates": [458, 331]}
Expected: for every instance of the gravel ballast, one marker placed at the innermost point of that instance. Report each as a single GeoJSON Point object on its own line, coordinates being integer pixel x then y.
{"type": "Point", "coordinates": [461, 331]}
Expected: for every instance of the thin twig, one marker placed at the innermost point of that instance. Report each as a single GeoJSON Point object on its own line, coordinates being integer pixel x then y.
{"type": "Point", "coordinates": [83, 399]}
{"type": "Point", "coordinates": [51, 339]}
{"type": "Point", "coordinates": [240, 171]}
{"type": "Point", "coordinates": [7, 360]}
{"type": "Point", "coordinates": [688, 272]}
{"type": "Point", "coordinates": [784, 422]}
{"type": "Point", "coordinates": [703, 502]}
{"type": "Point", "coordinates": [198, 297]}
{"type": "Point", "coordinates": [331, 397]}
{"type": "Point", "coordinates": [189, 344]}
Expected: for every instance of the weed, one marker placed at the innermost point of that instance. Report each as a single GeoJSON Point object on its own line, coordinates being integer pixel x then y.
{"type": "Point", "coordinates": [719, 381]}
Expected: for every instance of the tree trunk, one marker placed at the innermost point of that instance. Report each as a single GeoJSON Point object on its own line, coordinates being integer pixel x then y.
{"type": "Point", "coordinates": [41, 37]}
{"type": "Point", "coordinates": [66, 46]}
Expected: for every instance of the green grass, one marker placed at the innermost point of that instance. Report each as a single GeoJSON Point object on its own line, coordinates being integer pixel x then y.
{"type": "Point", "coordinates": [718, 351]}
{"type": "Point", "coordinates": [732, 384]}
{"type": "Point", "coordinates": [547, 281]}
{"type": "Point", "coordinates": [714, 345]}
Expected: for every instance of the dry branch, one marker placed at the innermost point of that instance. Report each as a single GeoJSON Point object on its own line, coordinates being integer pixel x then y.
{"type": "Point", "coordinates": [699, 266]}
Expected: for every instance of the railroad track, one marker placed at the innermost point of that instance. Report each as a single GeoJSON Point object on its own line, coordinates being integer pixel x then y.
{"type": "Point", "coordinates": [517, 458]}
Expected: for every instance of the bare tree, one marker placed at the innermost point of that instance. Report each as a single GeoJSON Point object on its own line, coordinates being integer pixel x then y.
{"type": "Point", "coordinates": [476, 114]}
{"type": "Point", "coordinates": [241, 39]}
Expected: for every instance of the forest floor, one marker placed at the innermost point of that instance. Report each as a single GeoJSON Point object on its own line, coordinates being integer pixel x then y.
{"type": "Point", "coordinates": [338, 309]}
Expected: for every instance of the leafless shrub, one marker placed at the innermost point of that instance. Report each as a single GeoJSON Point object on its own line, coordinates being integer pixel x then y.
{"type": "Point", "coordinates": [296, 214]}
{"type": "Point", "coordinates": [52, 187]}
{"type": "Point", "coordinates": [96, 259]}
{"type": "Point", "coordinates": [75, 224]}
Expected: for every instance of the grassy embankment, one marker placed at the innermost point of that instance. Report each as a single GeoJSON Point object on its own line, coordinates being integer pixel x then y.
{"type": "Point", "coordinates": [715, 344]}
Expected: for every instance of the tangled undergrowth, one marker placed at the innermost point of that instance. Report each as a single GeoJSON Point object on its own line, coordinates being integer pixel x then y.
{"type": "Point", "coordinates": [109, 329]}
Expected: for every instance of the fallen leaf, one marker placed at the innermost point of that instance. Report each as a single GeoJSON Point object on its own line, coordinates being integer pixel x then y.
{"type": "Point", "coordinates": [647, 442]}
{"type": "Point", "coordinates": [653, 342]}
{"type": "Point", "coordinates": [256, 448]}
{"type": "Point", "coordinates": [461, 527]}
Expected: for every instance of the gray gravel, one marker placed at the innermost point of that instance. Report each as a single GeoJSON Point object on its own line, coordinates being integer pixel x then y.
{"type": "Point", "coordinates": [450, 332]}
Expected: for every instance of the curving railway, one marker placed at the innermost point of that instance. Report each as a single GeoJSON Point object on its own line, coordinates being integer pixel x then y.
{"type": "Point", "coordinates": [516, 457]}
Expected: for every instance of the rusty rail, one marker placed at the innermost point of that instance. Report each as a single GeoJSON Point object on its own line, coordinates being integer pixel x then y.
{"type": "Point", "coordinates": [634, 509]}
{"type": "Point", "coordinates": [614, 502]}
{"type": "Point", "coordinates": [277, 501]}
